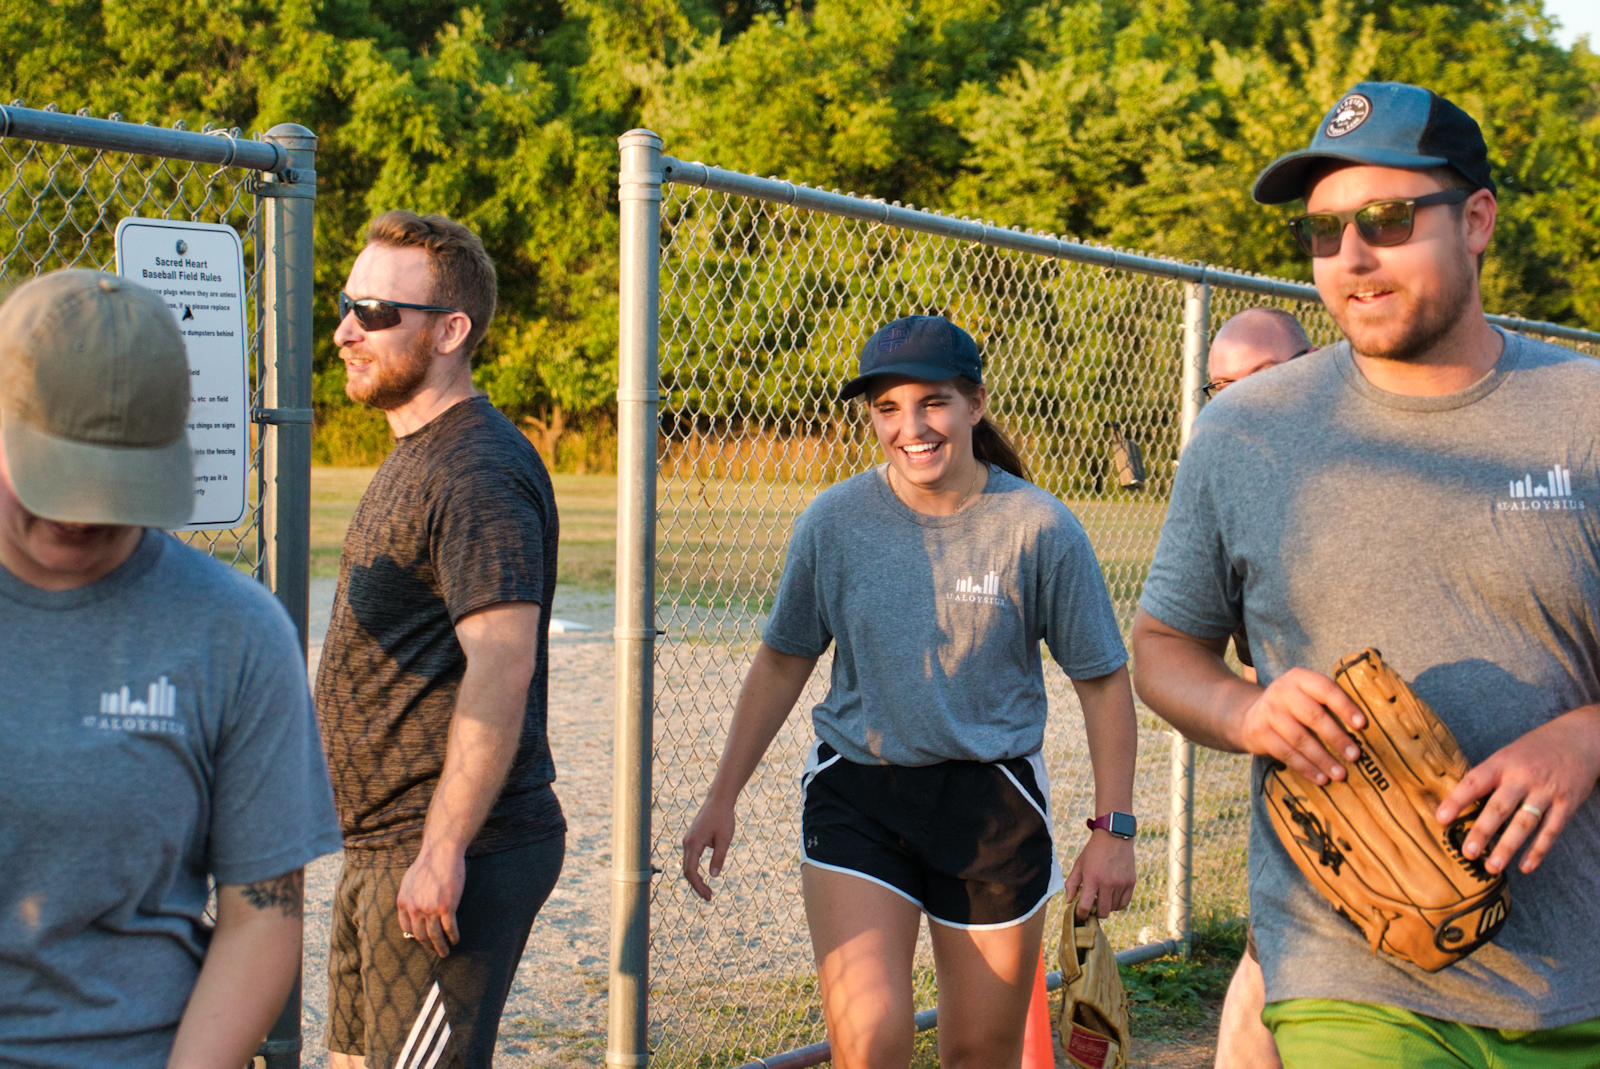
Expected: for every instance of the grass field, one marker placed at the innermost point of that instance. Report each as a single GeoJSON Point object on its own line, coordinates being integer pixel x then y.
{"type": "Point", "coordinates": [587, 505]}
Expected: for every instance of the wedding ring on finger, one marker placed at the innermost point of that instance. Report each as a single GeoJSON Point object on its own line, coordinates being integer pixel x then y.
{"type": "Point", "coordinates": [1529, 807]}
{"type": "Point", "coordinates": [407, 935]}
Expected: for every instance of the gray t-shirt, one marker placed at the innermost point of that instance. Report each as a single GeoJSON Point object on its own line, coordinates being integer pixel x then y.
{"type": "Point", "coordinates": [158, 728]}
{"type": "Point", "coordinates": [1460, 535]}
{"type": "Point", "coordinates": [939, 618]}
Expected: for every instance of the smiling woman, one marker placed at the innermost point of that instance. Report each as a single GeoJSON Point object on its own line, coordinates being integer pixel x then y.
{"type": "Point", "coordinates": [926, 791]}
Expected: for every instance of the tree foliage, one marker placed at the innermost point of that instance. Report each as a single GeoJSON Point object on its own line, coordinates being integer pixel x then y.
{"type": "Point", "coordinates": [1136, 122]}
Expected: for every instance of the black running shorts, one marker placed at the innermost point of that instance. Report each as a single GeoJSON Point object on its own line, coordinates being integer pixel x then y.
{"type": "Point", "coordinates": [967, 842]}
{"type": "Point", "coordinates": [396, 1002]}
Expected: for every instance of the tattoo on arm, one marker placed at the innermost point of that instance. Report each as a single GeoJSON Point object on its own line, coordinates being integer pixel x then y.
{"type": "Point", "coordinates": [286, 892]}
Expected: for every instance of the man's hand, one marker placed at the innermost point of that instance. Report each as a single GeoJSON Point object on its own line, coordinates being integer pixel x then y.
{"type": "Point", "coordinates": [1102, 877]}
{"type": "Point", "coordinates": [1537, 781]}
{"type": "Point", "coordinates": [429, 895]}
{"type": "Point", "coordinates": [1297, 720]}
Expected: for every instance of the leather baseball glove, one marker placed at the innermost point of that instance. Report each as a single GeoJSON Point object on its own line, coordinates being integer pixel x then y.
{"type": "Point", "coordinates": [1093, 1022]}
{"type": "Point", "coordinates": [1370, 842]}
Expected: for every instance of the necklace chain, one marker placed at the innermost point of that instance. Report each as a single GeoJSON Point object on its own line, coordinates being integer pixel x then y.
{"type": "Point", "coordinates": [976, 471]}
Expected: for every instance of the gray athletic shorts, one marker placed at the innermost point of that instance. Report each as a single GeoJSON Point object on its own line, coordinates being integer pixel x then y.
{"type": "Point", "coordinates": [396, 1002]}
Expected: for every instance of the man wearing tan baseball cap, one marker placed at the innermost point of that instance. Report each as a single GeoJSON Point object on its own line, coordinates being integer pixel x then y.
{"type": "Point", "coordinates": [158, 724]}
{"type": "Point", "coordinates": [94, 391]}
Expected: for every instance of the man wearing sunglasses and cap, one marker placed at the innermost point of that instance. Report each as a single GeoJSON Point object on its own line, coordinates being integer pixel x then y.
{"type": "Point", "coordinates": [1427, 487]}
{"type": "Point", "coordinates": [434, 674]}
{"type": "Point", "coordinates": [158, 729]}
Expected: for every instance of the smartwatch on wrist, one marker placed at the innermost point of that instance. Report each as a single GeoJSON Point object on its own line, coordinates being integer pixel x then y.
{"type": "Point", "coordinates": [1122, 825]}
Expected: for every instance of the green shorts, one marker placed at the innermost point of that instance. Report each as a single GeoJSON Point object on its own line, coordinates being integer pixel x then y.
{"type": "Point", "coordinates": [1314, 1033]}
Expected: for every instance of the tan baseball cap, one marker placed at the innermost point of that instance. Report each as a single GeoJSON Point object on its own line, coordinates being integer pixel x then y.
{"type": "Point", "coordinates": [94, 396]}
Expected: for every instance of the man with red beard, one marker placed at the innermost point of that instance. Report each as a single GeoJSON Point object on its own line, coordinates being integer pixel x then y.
{"type": "Point", "coordinates": [433, 679]}
{"type": "Point", "coordinates": [1427, 487]}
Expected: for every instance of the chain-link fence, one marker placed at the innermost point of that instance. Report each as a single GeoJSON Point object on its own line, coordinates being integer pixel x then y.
{"type": "Point", "coordinates": [60, 206]}
{"type": "Point", "coordinates": [73, 178]}
{"type": "Point", "coordinates": [766, 292]}
{"type": "Point", "coordinates": [66, 181]}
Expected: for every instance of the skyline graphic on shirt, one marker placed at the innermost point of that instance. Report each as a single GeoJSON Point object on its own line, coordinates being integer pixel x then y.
{"type": "Point", "coordinates": [1557, 483]}
{"type": "Point", "coordinates": [160, 699]}
{"type": "Point", "coordinates": [989, 586]}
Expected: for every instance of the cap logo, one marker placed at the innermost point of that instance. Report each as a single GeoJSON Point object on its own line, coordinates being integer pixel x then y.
{"type": "Point", "coordinates": [1350, 113]}
{"type": "Point", "coordinates": [893, 338]}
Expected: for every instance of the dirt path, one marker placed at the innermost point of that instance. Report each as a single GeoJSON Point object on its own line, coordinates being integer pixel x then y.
{"type": "Point", "coordinates": [556, 1013]}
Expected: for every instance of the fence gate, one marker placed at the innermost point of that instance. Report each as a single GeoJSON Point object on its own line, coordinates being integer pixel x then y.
{"type": "Point", "coordinates": [71, 179]}
{"type": "Point", "coordinates": [743, 304]}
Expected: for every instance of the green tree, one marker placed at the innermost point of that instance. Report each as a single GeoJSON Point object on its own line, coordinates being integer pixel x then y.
{"type": "Point", "coordinates": [1140, 123]}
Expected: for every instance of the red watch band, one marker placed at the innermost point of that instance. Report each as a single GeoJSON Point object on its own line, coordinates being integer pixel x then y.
{"type": "Point", "coordinates": [1122, 825]}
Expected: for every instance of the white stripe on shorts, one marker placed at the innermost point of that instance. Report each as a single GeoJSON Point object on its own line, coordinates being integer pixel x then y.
{"type": "Point", "coordinates": [444, 1037]}
{"type": "Point", "coordinates": [424, 1027]}
{"type": "Point", "coordinates": [813, 766]}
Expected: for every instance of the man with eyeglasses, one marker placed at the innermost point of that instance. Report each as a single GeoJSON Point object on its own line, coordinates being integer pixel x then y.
{"type": "Point", "coordinates": [433, 679]}
{"type": "Point", "coordinates": [1426, 487]}
{"type": "Point", "coordinates": [1252, 341]}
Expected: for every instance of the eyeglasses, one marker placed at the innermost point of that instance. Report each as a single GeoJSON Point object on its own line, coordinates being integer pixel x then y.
{"type": "Point", "coordinates": [1214, 387]}
{"type": "Point", "coordinates": [1381, 223]}
{"type": "Point", "coordinates": [374, 314]}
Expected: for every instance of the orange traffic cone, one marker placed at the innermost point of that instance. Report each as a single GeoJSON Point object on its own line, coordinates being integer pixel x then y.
{"type": "Point", "coordinates": [1038, 1052]}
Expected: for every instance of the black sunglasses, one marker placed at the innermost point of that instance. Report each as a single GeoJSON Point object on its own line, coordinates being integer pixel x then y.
{"type": "Point", "coordinates": [1214, 387]}
{"type": "Point", "coordinates": [374, 314]}
{"type": "Point", "coordinates": [1381, 223]}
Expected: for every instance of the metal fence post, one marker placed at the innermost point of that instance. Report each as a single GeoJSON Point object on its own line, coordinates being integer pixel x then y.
{"type": "Point", "coordinates": [284, 419]}
{"type": "Point", "coordinates": [639, 193]}
{"type": "Point", "coordinates": [285, 416]}
{"type": "Point", "coordinates": [1180, 834]}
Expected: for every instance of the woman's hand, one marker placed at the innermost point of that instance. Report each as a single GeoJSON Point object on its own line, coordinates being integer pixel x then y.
{"type": "Point", "coordinates": [713, 827]}
{"type": "Point", "coordinates": [771, 688]}
{"type": "Point", "coordinates": [1103, 876]}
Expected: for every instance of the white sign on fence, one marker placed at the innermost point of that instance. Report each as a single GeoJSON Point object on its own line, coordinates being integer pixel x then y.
{"type": "Point", "coordinates": [198, 268]}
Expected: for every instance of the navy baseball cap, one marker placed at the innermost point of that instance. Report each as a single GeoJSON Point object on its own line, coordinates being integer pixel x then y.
{"type": "Point", "coordinates": [1385, 124]}
{"type": "Point", "coordinates": [925, 348]}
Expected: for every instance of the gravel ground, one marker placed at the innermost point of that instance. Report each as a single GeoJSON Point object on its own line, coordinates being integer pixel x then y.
{"type": "Point", "coordinates": [730, 980]}
{"type": "Point", "coordinates": [556, 1013]}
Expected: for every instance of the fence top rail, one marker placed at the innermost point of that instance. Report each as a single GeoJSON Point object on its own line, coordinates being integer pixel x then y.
{"type": "Point", "coordinates": [872, 210]}
{"type": "Point", "coordinates": [221, 147]}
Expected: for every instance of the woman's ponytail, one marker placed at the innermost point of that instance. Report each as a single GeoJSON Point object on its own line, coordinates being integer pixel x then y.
{"type": "Point", "coordinates": [990, 443]}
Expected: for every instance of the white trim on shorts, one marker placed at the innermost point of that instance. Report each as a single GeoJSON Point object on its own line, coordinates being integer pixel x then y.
{"type": "Point", "coordinates": [812, 767]}
{"type": "Point", "coordinates": [1057, 883]}
{"type": "Point", "coordinates": [430, 1016]}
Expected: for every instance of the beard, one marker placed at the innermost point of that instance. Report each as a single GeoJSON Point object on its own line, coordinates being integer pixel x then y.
{"type": "Point", "coordinates": [1411, 330]}
{"type": "Point", "coordinates": [396, 380]}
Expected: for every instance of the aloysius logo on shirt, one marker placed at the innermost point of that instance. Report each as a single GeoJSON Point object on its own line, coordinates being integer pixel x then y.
{"type": "Point", "coordinates": [1550, 491]}
{"type": "Point", "coordinates": [981, 591]}
{"type": "Point", "coordinates": [151, 710]}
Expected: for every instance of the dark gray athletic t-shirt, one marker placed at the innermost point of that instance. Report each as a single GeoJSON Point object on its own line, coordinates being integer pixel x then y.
{"type": "Point", "coordinates": [157, 727]}
{"type": "Point", "coordinates": [938, 619]}
{"type": "Point", "coordinates": [1460, 535]}
{"type": "Point", "coordinates": [460, 516]}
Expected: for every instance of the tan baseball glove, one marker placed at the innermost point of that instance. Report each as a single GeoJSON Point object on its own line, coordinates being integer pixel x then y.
{"type": "Point", "coordinates": [1093, 1022]}
{"type": "Point", "coordinates": [1370, 842]}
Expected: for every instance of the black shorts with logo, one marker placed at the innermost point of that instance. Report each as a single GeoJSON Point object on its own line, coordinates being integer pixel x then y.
{"type": "Point", "coordinates": [397, 1003]}
{"type": "Point", "coordinates": [967, 842]}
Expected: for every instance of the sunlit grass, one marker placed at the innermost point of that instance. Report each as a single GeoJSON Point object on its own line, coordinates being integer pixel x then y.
{"type": "Point", "coordinates": [587, 505]}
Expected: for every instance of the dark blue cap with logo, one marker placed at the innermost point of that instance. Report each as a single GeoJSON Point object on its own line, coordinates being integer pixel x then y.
{"type": "Point", "coordinates": [925, 348]}
{"type": "Point", "coordinates": [1385, 124]}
